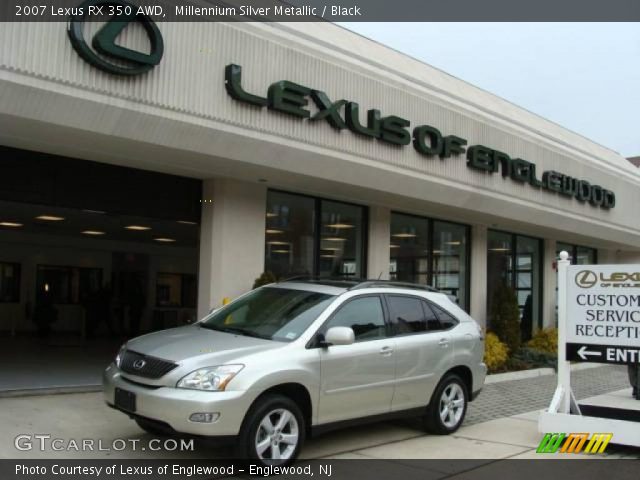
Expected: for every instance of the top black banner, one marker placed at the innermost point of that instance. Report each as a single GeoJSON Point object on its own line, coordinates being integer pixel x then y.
{"type": "Point", "coordinates": [327, 10]}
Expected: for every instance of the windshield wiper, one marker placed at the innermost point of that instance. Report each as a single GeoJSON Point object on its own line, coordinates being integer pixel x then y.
{"type": "Point", "coordinates": [239, 331]}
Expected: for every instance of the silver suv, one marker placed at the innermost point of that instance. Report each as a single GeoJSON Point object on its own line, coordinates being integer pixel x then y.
{"type": "Point", "coordinates": [297, 358]}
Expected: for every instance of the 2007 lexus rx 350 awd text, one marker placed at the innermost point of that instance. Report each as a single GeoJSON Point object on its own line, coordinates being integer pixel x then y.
{"type": "Point", "coordinates": [292, 359]}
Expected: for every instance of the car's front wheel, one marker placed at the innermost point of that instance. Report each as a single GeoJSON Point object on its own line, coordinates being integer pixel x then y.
{"type": "Point", "coordinates": [448, 406]}
{"type": "Point", "coordinates": [273, 431]}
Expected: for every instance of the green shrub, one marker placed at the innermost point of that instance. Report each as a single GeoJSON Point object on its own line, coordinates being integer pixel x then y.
{"type": "Point", "coordinates": [496, 353]}
{"type": "Point", "coordinates": [505, 317]}
{"type": "Point", "coordinates": [264, 279]}
{"type": "Point", "coordinates": [545, 340]}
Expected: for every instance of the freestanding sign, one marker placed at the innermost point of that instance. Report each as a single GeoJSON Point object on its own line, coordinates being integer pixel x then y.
{"type": "Point", "coordinates": [598, 321]}
{"type": "Point", "coordinates": [603, 313]}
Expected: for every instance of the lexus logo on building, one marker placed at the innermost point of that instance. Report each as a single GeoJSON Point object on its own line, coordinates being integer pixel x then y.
{"type": "Point", "coordinates": [586, 279]}
{"type": "Point", "coordinates": [106, 54]}
{"type": "Point", "coordinates": [139, 364]}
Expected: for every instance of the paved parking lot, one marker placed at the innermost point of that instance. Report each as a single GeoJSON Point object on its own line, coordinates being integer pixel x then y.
{"type": "Point", "coordinates": [502, 423]}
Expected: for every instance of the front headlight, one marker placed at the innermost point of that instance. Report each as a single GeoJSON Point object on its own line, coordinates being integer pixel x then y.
{"type": "Point", "coordinates": [212, 379]}
{"type": "Point", "coordinates": [120, 354]}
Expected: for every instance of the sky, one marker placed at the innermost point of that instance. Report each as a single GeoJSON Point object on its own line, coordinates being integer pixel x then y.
{"type": "Point", "coordinates": [583, 76]}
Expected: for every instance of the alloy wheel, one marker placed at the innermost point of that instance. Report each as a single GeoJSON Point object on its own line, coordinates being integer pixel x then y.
{"type": "Point", "coordinates": [451, 405]}
{"type": "Point", "coordinates": [277, 436]}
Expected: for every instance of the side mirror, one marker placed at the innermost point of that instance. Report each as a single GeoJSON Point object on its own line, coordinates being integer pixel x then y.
{"type": "Point", "coordinates": [339, 336]}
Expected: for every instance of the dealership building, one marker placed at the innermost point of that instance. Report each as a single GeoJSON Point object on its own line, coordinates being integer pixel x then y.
{"type": "Point", "coordinates": [156, 184]}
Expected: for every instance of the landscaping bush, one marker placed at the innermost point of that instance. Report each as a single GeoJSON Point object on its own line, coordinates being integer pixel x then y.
{"type": "Point", "coordinates": [505, 317]}
{"type": "Point", "coordinates": [545, 340]}
{"type": "Point", "coordinates": [534, 358]}
{"type": "Point", "coordinates": [496, 353]}
{"type": "Point", "coordinates": [265, 279]}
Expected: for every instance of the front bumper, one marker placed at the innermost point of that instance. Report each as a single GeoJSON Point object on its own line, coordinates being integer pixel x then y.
{"type": "Point", "coordinates": [174, 406]}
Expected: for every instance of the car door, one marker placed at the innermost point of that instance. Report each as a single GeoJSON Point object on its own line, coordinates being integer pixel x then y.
{"type": "Point", "coordinates": [423, 350]}
{"type": "Point", "coordinates": [357, 379]}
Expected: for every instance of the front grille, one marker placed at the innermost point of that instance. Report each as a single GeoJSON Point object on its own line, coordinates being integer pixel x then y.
{"type": "Point", "coordinates": [144, 365]}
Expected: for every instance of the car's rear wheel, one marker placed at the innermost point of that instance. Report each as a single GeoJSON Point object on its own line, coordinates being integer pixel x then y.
{"type": "Point", "coordinates": [448, 406]}
{"type": "Point", "coordinates": [273, 431]}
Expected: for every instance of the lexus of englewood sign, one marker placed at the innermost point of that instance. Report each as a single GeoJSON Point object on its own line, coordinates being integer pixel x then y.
{"type": "Point", "coordinates": [292, 98]}
{"type": "Point", "coordinates": [603, 313]}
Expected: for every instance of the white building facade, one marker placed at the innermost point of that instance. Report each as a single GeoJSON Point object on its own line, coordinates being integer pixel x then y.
{"type": "Point", "coordinates": [320, 152]}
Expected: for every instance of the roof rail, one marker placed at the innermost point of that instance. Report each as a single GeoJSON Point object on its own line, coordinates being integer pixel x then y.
{"type": "Point", "coordinates": [393, 283]}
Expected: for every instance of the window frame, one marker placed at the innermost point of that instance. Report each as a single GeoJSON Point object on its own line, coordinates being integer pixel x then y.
{"type": "Point", "coordinates": [70, 269]}
{"type": "Point", "coordinates": [430, 242]}
{"type": "Point", "coordinates": [315, 341]}
{"type": "Point", "coordinates": [317, 227]}
{"type": "Point", "coordinates": [182, 291]}
{"type": "Point", "coordinates": [422, 302]}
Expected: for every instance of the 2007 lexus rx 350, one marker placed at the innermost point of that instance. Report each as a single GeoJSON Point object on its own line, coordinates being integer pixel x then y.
{"type": "Point", "coordinates": [292, 359]}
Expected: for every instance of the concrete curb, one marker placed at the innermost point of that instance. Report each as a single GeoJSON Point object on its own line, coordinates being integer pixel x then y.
{"type": "Point", "coordinates": [535, 372]}
{"type": "Point", "coordinates": [32, 392]}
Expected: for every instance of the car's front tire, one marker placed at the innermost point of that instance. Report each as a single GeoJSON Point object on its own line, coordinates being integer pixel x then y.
{"type": "Point", "coordinates": [272, 432]}
{"type": "Point", "coordinates": [448, 406]}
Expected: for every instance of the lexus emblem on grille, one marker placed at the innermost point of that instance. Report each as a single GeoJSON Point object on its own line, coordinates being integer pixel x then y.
{"type": "Point", "coordinates": [139, 364]}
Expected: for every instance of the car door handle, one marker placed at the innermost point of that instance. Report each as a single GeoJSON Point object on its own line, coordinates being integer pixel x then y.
{"type": "Point", "coordinates": [443, 342]}
{"type": "Point", "coordinates": [386, 351]}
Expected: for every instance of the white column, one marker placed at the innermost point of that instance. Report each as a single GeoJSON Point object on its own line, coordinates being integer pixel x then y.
{"type": "Point", "coordinates": [378, 244]}
{"type": "Point", "coordinates": [549, 284]}
{"type": "Point", "coordinates": [478, 277]}
{"type": "Point", "coordinates": [231, 240]}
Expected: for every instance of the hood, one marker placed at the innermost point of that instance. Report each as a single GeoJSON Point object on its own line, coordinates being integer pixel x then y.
{"type": "Point", "coordinates": [191, 342]}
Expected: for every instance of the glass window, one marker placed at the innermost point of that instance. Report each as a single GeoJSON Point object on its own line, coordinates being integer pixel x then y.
{"type": "Point", "coordinates": [289, 236]}
{"type": "Point", "coordinates": [409, 248]}
{"type": "Point", "coordinates": [446, 320]}
{"type": "Point", "coordinates": [450, 259]}
{"type": "Point", "coordinates": [430, 252]}
{"type": "Point", "coordinates": [341, 242]}
{"type": "Point", "coordinates": [176, 290]}
{"type": "Point", "coordinates": [577, 254]}
{"type": "Point", "coordinates": [67, 285]}
{"type": "Point", "coordinates": [295, 245]}
{"type": "Point", "coordinates": [9, 282]}
{"type": "Point", "coordinates": [364, 315]}
{"type": "Point", "coordinates": [513, 261]}
{"type": "Point", "coordinates": [408, 315]}
{"type": "Point", "coordinates": [271, 313]}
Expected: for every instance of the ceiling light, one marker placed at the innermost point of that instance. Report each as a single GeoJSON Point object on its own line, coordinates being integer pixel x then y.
{"type": "Point", "coordinates": [340, 225]}
{"type": "Point", "coordinates": [436, 252]}
{"type": "Point", "coordinates": [271, 215]}
{"type": "Point", "coordinates": [274, 231]}
{"type": "Point", "coordinates": [499, 249]}
{"type": "Point", "coordinates": [334, 239]}
{"type": "Point", "coordinates": [11, 224]}
{"type": "Point", "coordinates": [404, 235]}
{"type": "Point", "coordinates": [457, 242]}
{"type": "Point", "coordinates": [92, 232]}
{"type": "Point", "coordinates": [50, 218]}
{"type": "Point", "coordinates": [332, 249]}
{"type": "Point", "coordinates": [280, 251]}
{"type": "Point", "coordinates": [328, 256]}
{"type": "Point", "coordinates": [277, 243]}
{"type": "Point", "coordinates": [187, 222]}
{"type": "Point", "coordinates": [137, 228]}
{"type": "Point", "coordinates": [394, 246]}
{"type": "Point", "coordinates": [165, 240]}
{"type": "Point", "coordinates": [99, 212]}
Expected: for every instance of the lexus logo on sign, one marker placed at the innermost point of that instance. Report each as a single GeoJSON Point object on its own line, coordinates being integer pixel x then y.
{"type": "Point", "coordinates": [104, 52]}
{"type": "Point", "coordinates": [586, 279]}
{"type": "Point", "coordinates": [139, 364]}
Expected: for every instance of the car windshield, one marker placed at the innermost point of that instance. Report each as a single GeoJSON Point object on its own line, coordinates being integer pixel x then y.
{"type": "Point", "coordinates": [272, 313]}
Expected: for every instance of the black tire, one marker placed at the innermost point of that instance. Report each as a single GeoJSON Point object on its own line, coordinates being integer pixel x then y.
{"type": "Point", "coordinates": [251, 431]}
{"type": "Point", "coordinates": [151, 427]}
{"type": "Point", "coordinates": [433, 421]}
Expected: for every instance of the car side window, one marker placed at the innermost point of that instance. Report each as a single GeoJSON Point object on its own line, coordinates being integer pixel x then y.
{"type": "Point", "coordinates": [364, 315]}
{"type": "Point", "coordinates": [445, 319]}
{"type": "Point", "coordinates": [408, 315]}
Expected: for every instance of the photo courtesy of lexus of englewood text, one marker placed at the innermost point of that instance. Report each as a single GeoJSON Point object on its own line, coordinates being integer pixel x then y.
{"type": "Point", "coordinates": [317, 238]}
